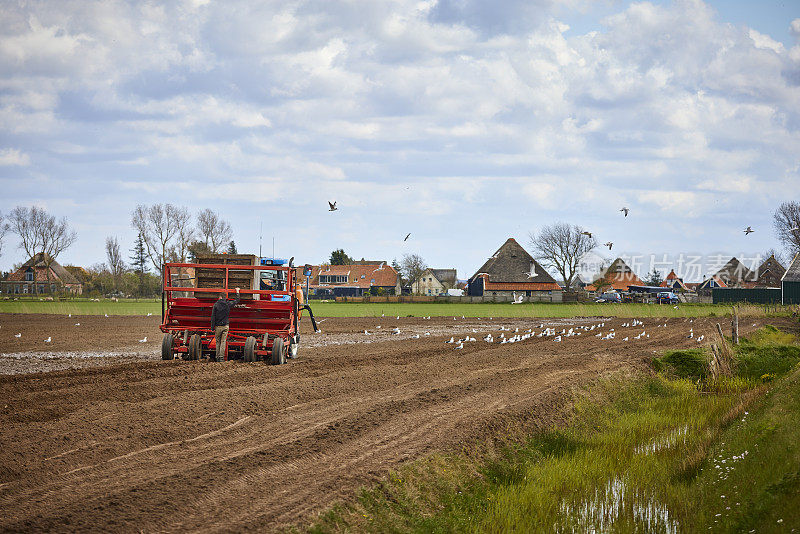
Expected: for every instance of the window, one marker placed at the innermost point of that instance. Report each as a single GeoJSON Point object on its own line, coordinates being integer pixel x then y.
{"type": "Point", "coordinates": [29, 275]}
{"type": "Point", "coordinates": [332, 279]}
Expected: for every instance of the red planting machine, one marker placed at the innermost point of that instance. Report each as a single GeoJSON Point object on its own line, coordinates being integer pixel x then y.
{"type": "Point", "coordinates": [263, 326]}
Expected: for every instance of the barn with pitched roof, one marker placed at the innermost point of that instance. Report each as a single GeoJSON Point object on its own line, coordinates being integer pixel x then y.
{"type": "Point", "coordinates": [734, 273]}
{"type": "Point", "coordinates": [434, 282]}
{"type": "Point", "coordinates": [511, 271]}
{"type": "Point", "coordinates": [674, 282]}
{"type": "Point", "coordinates": [618, 276]}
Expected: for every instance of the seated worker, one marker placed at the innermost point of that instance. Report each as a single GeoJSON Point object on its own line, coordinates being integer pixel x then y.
{"type": "Point", "coordinates": [220, 318]}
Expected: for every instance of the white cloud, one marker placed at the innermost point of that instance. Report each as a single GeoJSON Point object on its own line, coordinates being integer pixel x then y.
{"type": "Point", "coordinates": [12, 156]}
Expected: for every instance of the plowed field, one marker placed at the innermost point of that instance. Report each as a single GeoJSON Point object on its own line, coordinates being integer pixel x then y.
{"type": "Point", "coordinates": [120, 440]}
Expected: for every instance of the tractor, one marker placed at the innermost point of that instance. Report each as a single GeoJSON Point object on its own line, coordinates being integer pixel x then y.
{"type": "Point", "coordinates": [264, 326]}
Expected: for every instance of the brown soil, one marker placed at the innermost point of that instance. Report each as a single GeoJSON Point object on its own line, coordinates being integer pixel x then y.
{"type": "Point", "coordinates": [186, 446]}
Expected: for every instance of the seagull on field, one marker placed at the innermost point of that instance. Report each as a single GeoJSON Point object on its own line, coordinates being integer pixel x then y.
{"type": "Point", "coordinates": [149, 314]}
{"type": "Point", "coordinates": [460, 346]}
{"type": "Point", "coordinates": [396, 331]}
{"type": "Point", "coordinates": [70, 316]}
{"type": "Point", "coordinates": [143, 340]}
{"type": "Point", "coordinates": [625, 211]}
{"type": "Point", "coordinates": [452, 340]}
{"type": "Point", "coordinates": [609, 245]}
{"type": "Point", "coordinates": [332, 206]}
{"type": "Point", "coordinates": [415, 336]}
{"type": "Point", "coordinates": [589, 234]}
{"type": "Point", "coordinates": [407, 236]}
{"type": "Point", "coordinates": [77, 324]}
{"type": "Point", "coordinates": [106, 315]}
{"type": "Point", "coordinates": [18, 335]}
{"type": "Point", "coordinates": [748, 231]}
{"type": "Point", "coordinates": [366, 333]}
{"type": "Point", "coordinates": [48, 340]}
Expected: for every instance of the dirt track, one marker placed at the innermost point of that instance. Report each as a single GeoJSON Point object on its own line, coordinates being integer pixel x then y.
{"type": "Point", "coordinates": [178, 446]}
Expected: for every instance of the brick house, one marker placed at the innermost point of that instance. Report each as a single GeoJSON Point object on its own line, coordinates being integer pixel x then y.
{"type": "Point", "coordinates": [32, 278]}
{"type": "Point", "coordinates": [354, 280]}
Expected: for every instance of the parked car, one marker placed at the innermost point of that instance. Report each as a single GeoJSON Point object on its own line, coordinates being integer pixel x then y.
{"type": "Point", "coordinates": [667, 297]}
{"type": "Point", "coordinates": [609, 297]}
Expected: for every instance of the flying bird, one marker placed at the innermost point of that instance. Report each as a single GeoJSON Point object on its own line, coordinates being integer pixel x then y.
{"type": "Point", "coordinates": [332, 206]}
{"type": "Point", "coordinates": [532, 273]}
{"type": "Point", "coordinates": [407, 236]}
{"type": "Point", "coordinates": [589, 234]}
{"type": "Point", "coordinates": [609, 245]}
{"type": "Point", "coordinates": [748, 231]}
{"type": "Point", "coordinates": [625, 211]}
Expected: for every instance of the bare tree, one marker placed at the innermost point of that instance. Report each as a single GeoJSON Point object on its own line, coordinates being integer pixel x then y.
{"type": "Point", "coordinates": [786, 221]}
{"type": "Point", "coordinates": [116, 265]}
{"type": "Point", "coordinates": [158, 226]}
{"type": "Point", "coordinates": [412, 266]}
{"type": "Point", "coordinates": [184, 234]}
{"type": "Point", "coordinates": [41, 234]}
{"type": "Point", "coordinates": [215, 232]}
{"type": "Point", "coordinates": [561, 246]}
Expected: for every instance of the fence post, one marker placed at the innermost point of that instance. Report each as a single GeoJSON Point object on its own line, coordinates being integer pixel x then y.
{"type": "Point", "coordinates": [735, 327]}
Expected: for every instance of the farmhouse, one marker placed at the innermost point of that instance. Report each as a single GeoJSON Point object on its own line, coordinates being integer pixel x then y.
{"type": "Point", "coordinates": [434, 282]}
{"type": "Point", "coordinates": [32, 277]}
{"type": "Point", "coordinates": [769, 274]}
{"type": "Point", "coordinates": [734, 273]}
{"type": "Point", "coordinates": [618, 276]}
{"type": "Point", "coordinates": [511, 270]}
{"type": "Point", "coordinates": [790, 283]}
{"type": "Point", "coordinates": [710, 283]}
{"type": "Point", "coordinates": [674, 283]}
{"type": "Point", "coordinates": [355, 280]}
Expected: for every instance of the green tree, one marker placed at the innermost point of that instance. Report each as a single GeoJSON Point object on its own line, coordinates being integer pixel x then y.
{"type": "Point", "coordinates": [339, 257]}
{"type": "Point", "coordinates": [139, 263]}
{"type": "Point", "coordinates": [654, 278]}
{"type": "Point", "coordinates": [232, 248]}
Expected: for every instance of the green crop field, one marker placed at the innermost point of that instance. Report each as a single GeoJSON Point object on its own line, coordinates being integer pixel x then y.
{"type": "Point", "coordinates": [349, 309]}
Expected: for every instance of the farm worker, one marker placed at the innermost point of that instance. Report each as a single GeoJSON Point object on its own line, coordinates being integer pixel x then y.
{"type": "Point", "coordinates": [220, 315]}
{"type": "Point", "coordinates": [298, 293]}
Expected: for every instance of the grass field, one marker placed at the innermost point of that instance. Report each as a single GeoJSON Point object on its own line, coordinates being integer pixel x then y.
{"type": "Point", "coordinates": [654, 454]}
{"type": "Point", "coordinates": [342, 309]}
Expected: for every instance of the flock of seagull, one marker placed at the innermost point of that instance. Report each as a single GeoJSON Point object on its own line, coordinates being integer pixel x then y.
{"type": "Point", "coordinates": [49, 339]}
{"type": "Point", "coordinates": [566, 331]}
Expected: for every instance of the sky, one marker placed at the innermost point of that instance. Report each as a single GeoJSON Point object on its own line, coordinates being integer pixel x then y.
{"type": "Point", "coordinates": [463, 122]}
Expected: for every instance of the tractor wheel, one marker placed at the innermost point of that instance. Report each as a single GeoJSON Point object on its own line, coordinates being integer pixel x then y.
{"type": "Point", "coordinates": [167, 352]}
{"type": "Point", "coordinates": [278, 352]}
{"type": "Point", "coordinates": [195, 347]}
{"type": "Point", "coordinates": [250, 349]}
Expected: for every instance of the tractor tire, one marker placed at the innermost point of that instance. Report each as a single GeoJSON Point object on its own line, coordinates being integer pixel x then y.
{"type": "Point", "coordinates": [195, 347]}
{"type": "Point", "coordinates": [250, 349]}
{"type": "Point", "coordinates": [278, 352]}
{"type": "Point", "coordinates": [167, 352]}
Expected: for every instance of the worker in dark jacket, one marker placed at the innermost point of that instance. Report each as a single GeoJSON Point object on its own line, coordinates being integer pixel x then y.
{"type": "Point", "coordinates": [220, 315]}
